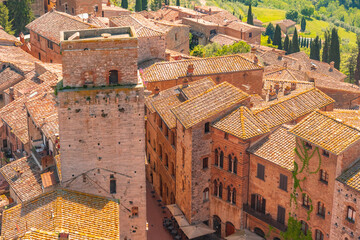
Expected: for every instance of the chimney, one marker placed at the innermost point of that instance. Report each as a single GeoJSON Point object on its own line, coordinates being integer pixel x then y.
{"type": "Point", "coordinates": [253, 50]}
{"type": "Point", "coordinates": [332, 63]}
{"type": "Point", "coordinates": [293, 86]}
{"type": "Point", "coordinates": [280, 56]}
{"type": "Point", "coordinates": [209, 11]}
{"type": "Point", "coordinates": [256, 60]}
{"type": "Point", "coordinates": [63, 236]}
{"type": "Point", "coordinates": [167, 56]}
{"type": "Point", "coordinates": [272, 95]}
{"type": "Point", "coordinates": [156, 90]}
{"type": "Point", "coordinates": [190, 69]}
{"type": "Point", "coordinates": [108, 3]}
{"type": "Point", "coordinates": [277, 87]}
{"type": "Point", "coordinates": [287, 90]}
{"type": "Point", "coordinates": [22, 38]}
{"type": "Point", "coordinates": [185, 83]}
{"type": "Point", "coordinates": [11, 94]}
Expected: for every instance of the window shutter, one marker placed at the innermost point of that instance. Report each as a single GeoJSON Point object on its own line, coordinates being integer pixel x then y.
{"type": "Point", "coordinates": [263, 205]}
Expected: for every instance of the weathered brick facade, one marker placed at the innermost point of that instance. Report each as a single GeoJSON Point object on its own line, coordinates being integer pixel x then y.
{"type": "Point", "coordinates": [76, 7]}
{"type": "Point", "coordinates": [102, 128]}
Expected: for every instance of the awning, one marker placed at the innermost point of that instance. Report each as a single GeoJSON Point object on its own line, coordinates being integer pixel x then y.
{"type": "Point", "coordinates": [191, 231]}
{"type": "Point", "coordinates": [243, 235]}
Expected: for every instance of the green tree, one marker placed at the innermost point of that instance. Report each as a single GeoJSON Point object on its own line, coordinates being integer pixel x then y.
{"type": "Point", "coordinates": [307, 43]}
{"type": "Point", "coordinates": [4, 19]}
{"type": "Point", "coordinates": [289, 51]}
{"type": "Point", "coordinates": [198, 51]}
{"type": "Point", "coordinates": [270, 30]}
{"type": "Point", "coordinates": [351, 65]}
{"type": "Point", "coordinates": [124, 4]}
{"type": "Point", "coordinates": [308, 10]}
{"type": "Point", "coordinates": [144, 4]}
{"type": "Point", "coordinates": [325, 53]}
{"type": "Point", "coordinates": [268, 40]}
{"type": "Point", "coordinates": [334, 52]}
{"type": "Point", "coordinates": [295, 43]}
{"type": "Point", "coordinates": [20, 14]}
{"type": "Point", "coordinates": [303, 24]}
{"type": "Point", "coordinates": [138, 6]}
{"type": "Point", "coordinates": [286, 43]}
{"type": "Point", "coordinates": [277, 35]}
{"type": "Point", "coordinates": [155, 5]}
{"type": "Point", "coordinates": [250, 17]}
{"type": "Point", "coordinates": [315, 49]}
{"type": "Point", "coordinates": [177, 2]}
{"type": "Point", "coordinates": [292, 15]}
{"type": "Point", "coordinates": [357, 70]}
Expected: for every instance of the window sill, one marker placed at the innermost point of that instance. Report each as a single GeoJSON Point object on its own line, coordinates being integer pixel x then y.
{"type": "Point", "coordinates": [306, 207]}
{"type": "Point", "coordinates": [350, 220]}
{"type": "Point", "coordinates": [285, 190]}
{"type": "Point", "coordinates": [321, 216]}
{"type": "Point", "coordinates": [263, 179]}
{"type": "Point", "coordinates": [323, 181]}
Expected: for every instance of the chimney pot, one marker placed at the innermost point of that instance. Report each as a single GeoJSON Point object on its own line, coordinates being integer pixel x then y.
{"type": "Point", "coordinates": [332, 64]}
{"type": "Point", "coordinates": [108, 3]}
{"type": "Point", "coordinates": [157, 90]}
{"type": "Point", "coordinates": [293, 86]}
{"type": "Point", "coordinates": [190, 69]}
{"type": "Point", "coordinates": [256, 60]}
{"type": "Point", "coordinates": [253, 50]}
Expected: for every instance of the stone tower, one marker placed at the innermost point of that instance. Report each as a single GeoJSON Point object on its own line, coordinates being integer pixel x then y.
{"type": "Point", "coordinates": [101, 120]}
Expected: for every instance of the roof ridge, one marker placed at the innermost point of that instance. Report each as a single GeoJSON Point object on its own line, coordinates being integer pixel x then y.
{"type": "Point", "coordinates": [337, 120]}
{"type": "Point", "coordinates": [242, 120]}
{"type": "Point", "coordinates": [71, 17]}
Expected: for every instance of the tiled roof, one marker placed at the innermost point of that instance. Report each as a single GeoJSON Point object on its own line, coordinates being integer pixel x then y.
{"type": "Point", "coordinates": [242, 123]}
{"type": "Point", "coordinates": [300, 85]}
{"type": "Point", "coordinates": [293, 107]}
{"type": "Point", "coordinates": [23, 176]}
{"type": "Point", "coordinates": [348, 117]}
{"type": "Point", "coordinates": [48, 179]}
{"type": "Point", "coordinates": [222, 18]}
{"type": "Point", "coordinates": [351, 177]}
{"type": "Point", "coordinates": [175, 56]}
{"type": "Point", "coordinates": [223, 39]}
{"type": "Point", "coordinates": [161, 95]}
{"type": "Point", "coordinates": [8, 78]}
{"type": "Point", "coordinates": [287, 23]}
{"type": "Point", "coordinates": [327, 131]}
{"type": "Point", "coordinates": [24, 86]}
{"type": "Point", "coordinates": [112, 7]}
{"type": "Point", "coordinates": [163, 106]}
{"type": "Point", "coordinates": [197, 87]}
{"type": "Point", "coordinates": [5, 37]}
{"type": "Point", "coordinates": [52, 23]}
{"type": "Point", "coordinates": [199, 21]}
{"type": "Point", "coordinates": [281, 73]}
{"type": "Point", "coordinates": [241, 26]}
{"type": "Point", "coordinates": [278, 148]}
{"type": "Point", "coordinates": [18, 57]}
{"type": "Point", "coordinates": [163, 71]}
{"type": "Point", "coordinates": [83, 216]}
{"type": "Point", "coordinates": [143, 26]}
{"type": "Point", "coordinates": [208, 104]}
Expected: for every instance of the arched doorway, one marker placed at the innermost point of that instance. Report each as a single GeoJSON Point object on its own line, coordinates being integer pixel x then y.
{"type": "Point", "coordinates": [259, 232]}
{"type": "Point", "coordinates": [230, 229]}
{"type": "Point", "coordinates": [217, 225]}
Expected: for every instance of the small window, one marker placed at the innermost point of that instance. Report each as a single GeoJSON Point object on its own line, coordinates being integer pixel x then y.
{"type": "Point", "coordinates": [234, 196]}
{"type": "Point", "coordinates": [326, 153]}
{"type": "Point", "coordinates": [113, 77]}
{"type": "Point", "coordinates": [350, 214]}
{"type": "Point", "coordinates": [205, 163]}
{"type": "Point", "coordinates": [281, 215]}
{"type": "Point", "coordinates": [183, 157]}
{"type": "Point", "coordinates": [228, 194]}
{"type": "Point", "coordinates": [321, 209]}
{"type": "Point", "coordinates": [250, 35]}
{"type": "Point", "coordinates": [206, 194]}
{"type": "Point", "coordinates": [226, 136]}
{"type": "Point", "coordinates": [319, 235]}
{"type": "Point", "coordinates": [72, 10]}
{"type": "Point", "coordinates": [112, 184]}
{"type": "Point", "coordinates": [260, 171]}
{"type": "Point", "coordinates": [305, 201]}
{"type": "Point", "coordinates": [176, 36]}
{"type": "Point", "coordinates": [96, 9]}
{"type": "Point", "coordinates": [50, 44]}
{"type": "Point", "coordinates": [207, 127]}
{"type": "Point", "coordinates": [308, 145]}
{"type": "Point", "coordinates": [304, 227]}
{"type": "Point", "coordinates": [39, 56]}
{"type": "Point", "coordinates": [324, 176]}
{"type": "Point", "coordinates": [135, 211]}
{"type": "Point", "coordinates": [283, 182]}
{"type": "Point", "coordinates": [220, 190]}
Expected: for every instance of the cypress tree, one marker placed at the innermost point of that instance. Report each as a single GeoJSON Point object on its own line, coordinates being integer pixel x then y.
{"type": "Point", "coordinates": [357, 70]}
{"type": "Point", "coordinates": [177, 2]}
{"type": "Point", "coordinates": [138, 6]}
{"type": "Point", "coordinates": [295, 43]}
{"type": "Point", "coordinates": [124, 4]}
{"type": "Point", "coordinates": [320, 43]}
{"type": "Point", "coordinates": [325, 54]}
{"type": "Point", "coordinates": [277, 35]}
{"type": "Point", "coordinates": [4, 19]}
{"type": "Point", "coordinates": [269, 40]}
{"type": "Point", "coordinates": [144, 4]}
{"type": "Point", "coordinates": [315, 49]}
{"type": "Point", "coordinates": [303, 24]}
{"type": "Point", "coordinates": [20, 14]}
{"type": "Point", "coordinates": [290, 47]}
{"type": "Point", "coordinates": [270, 30]}
{"type": "Point", "coordinates": [286, 44]}
{"type": "Point", "coordinates": [307, 43]}
{"type": "Point", "coordinates": [280, 45]}
{"type": "Point", "coordinates": [334, 53]}
{"type": "Point", "coordinates": [250, 19]}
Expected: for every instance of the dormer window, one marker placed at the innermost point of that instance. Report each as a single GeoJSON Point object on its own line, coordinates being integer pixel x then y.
{"type": "Point", "coordinates": [113, 77]}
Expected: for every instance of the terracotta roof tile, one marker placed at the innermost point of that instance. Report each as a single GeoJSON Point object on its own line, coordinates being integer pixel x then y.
{"type": "Point", "coordinates": [287, 23]}
{"type": "Point", "coordinates": [277, 148]}
{"type": "Point", "coordinates": [8, 78]}
{"type": "Point", "coordinates": [17, 57]}
{"type": "Point", "coordinates": [241, 26]}
{"type": "Point", "coordinates": [327, 131]}
{"type": "Point", "coordinates": [293, 107]}
{"type": "Point", "coordinates": [48, 179]}
{"type": "Point", "coordinates": [300, 85]}
{"type": "Point", "coordinates": [23, 176]}
{"type": "Point", "coordinates": [197, 87]}
{"type": "Point", "coordinates": [83, 216]}
{"type": "Point", "coordinates": [163, 71]}
{"type": "Point", "coordinates": [52, 23]}
{"type": "Point", "coordinates": [5, 37]}
{"type": "Point", "coordinates": [242, 123]}
{"type": "Point", "coordinates": [222, 18]}
{"type": "Point", "coordinates": [163, 107]}
{"type": "Point", "coordinates": [223, 39]}
{"type": "Point", "coordinates": [351, 177]}
{"type": "Point", "coordinates": [208, 104]}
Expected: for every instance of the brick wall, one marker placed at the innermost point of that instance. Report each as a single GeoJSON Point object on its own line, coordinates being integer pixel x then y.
{"type": "Point", "coordinates": [343, 99]}
{"type": "Point", "coordinates": [151, 48]}
{"type": "Point", "coordinates": [75, 7]}
{"type": "Point", "coordinates": [39, 45]}
{"type": "Point", "coordinates": [177, 39]}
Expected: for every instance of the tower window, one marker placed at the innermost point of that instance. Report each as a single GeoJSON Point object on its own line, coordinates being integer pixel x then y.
{"type": "Point", "coordinates": [113, 77]}
{"type": "Point", "coordinates": [135, 211]}
{"type": "Point", "coordinates": [112, 184]}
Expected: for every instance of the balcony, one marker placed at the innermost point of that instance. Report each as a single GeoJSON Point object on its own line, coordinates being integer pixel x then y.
{"type": "Point", "coordinates": [264, 217]}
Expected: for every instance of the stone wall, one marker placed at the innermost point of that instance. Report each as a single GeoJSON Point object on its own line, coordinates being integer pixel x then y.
{"type": "Point", "coordinates": [41, 50]}
{"type": "Point", "coordinates": [151, 48]}
{"type": "Point", "coordinates": [177, 39]}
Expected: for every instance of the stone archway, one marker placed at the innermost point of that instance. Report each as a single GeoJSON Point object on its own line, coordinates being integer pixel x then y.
{"type": "Point", "coordinates": [217, 225]}
{"type": "Point", "coordinates": [259, 232]}
{"type": "Point", "coordinates": [229, 229]}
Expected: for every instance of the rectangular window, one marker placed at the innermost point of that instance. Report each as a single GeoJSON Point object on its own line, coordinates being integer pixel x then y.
{"type": "Point", "coordinates": [250, 35]}
{"type": "Point", "coordinates": [351, 214]}
{"type": "Point", "coordinates": [326, 153]}
{"type": "Point", "coordinates": [207, 127]}
{"type": "Point", "coordinates": [112, 184]}
{"type": "Point", "coordinates": [226, 136]}
{"type": "Point", "coordinates": [260, 171]}
{"type": "Point", "coordinates": [283, 182]}
{"type": "Point", "coordinates": [324, 176]}
{"type": "Point", "coordinates": [305, 201]}
{"type": "Point", "coordinates": [258, 203]}
{"type": "Point", "coordinates": [39, 56]}
{"type": "Point", "coordinates": [50, 44]}
{"type": "Point", "coordinates": [281, 215]}
{"type": "Point", "coordinates": [205, 163]}
{"type": "Point", "coordinates": [321, 209]}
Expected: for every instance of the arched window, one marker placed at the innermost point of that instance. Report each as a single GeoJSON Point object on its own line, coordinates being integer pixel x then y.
{"type": "Point", "coordinates": [220, 190]}
{"type": "Point", "coordinates": [216, 157]}
{"type": "Point", "coordinates": [235, 166]}
{"type": "Point", "coordinates": [221, 159]}
{"type": "Point", "coordinates": [215, 188]}
{"type": "Point", "coordinates": [305, 201]}
{"type": "Point", "coordinates": [230, 163]}
{"type": "Point", "coordinates": [228, 194]}
{"type": "Point", "coordinates": [319, 235]}
{"type": "Point", "coordinates": [234, 196]}
{"type": "Point", "coordinates": [160, 152]}
{"type": "Point", "coordinates": [321, 209]}
{"type": "Point", "coordinates": [206, 194]}
{"type": "Point", "coordinates": [304, 227]}
{"type": "Point", "coordinates": [166, 160]}
{"type": "Point", "coordinates": [350, 214]}
{"type": "Point", "coordinates": [113, 77]}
